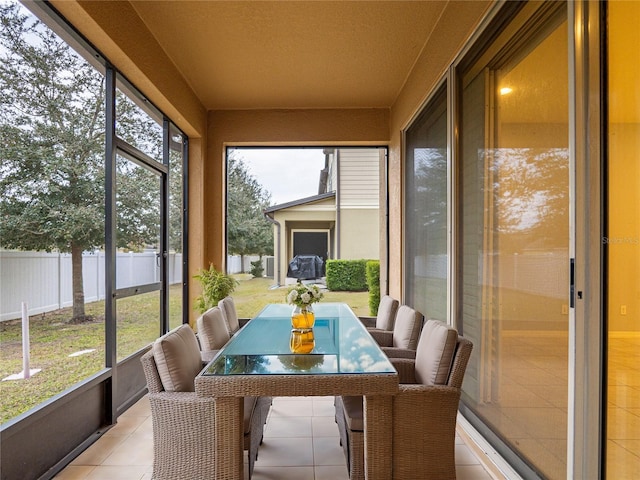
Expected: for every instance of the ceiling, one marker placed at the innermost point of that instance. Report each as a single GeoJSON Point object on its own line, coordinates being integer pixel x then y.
{"type": "Point", "coordinates": [292, 54]}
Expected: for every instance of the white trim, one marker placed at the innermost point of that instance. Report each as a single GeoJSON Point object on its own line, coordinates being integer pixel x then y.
{"type": "Point", "coordinates": [492, 461]}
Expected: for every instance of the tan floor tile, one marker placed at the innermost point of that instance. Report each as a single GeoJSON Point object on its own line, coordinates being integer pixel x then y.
{"type": "Point", "coordinates": [139, 409]}
{"type": "Point", "coordinates": [289, 452]}
{"type": "Point", "coordinates": [327, 451]}
{"type": "Point", "coordinates": [623, 425]}
{"type": "Point", "coordinates": [126, 425]}
{"type": "Point", "coordinates": [283, 426]}
{"type": "Point", "coordinates": [624, 396]}
{"type": "Point", "coordinates": [622, 463]}
{"type": "Point", "coordinates": [117, 473]}
{"type": "Point", "coordinates": [324, 427]}
{"type": "Point", "coordinates": [324, 408]}
{"type": "Point", "coordinates": [330, 472]}
{"type": "Point", "coordinates": [145, 429]}
{"type": "Point", "coordinates": [135, 450]}
{"type": "Point", "coordinates": [472, 472]}
{"type": "Point", "coordinates": [73, 472]}
{"type": "Point", "coordinates": [99, 451]}
{"type": "Point", "coordinates": [283, 473]}
{"type": "Point", "coordinates": [292, 408]}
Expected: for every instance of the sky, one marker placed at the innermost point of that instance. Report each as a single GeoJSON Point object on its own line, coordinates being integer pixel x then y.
{"type": "Point", "coordinates": [287, 173]}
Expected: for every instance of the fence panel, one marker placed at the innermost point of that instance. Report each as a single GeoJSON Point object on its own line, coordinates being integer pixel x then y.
{"type": "Point", "coordinates": [44, 281]}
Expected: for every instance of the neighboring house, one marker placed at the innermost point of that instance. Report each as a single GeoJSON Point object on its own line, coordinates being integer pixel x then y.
{"type": "Point", "coordinates": [341, 222]}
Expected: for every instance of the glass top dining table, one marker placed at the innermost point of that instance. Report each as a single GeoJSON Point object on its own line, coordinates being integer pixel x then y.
{"type": "Point", "coordinates": [258, 361]}
{"type": "Point", "coordinates": [263, 346]}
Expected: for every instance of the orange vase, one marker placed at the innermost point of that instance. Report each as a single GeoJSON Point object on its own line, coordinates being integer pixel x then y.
{"type": "Point", "coordinates": [303, 317]}
{"type": "Point", "coordinates": [302, 340]}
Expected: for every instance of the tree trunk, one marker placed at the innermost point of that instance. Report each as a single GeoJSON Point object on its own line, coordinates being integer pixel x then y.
{"type": "Point", "coordinates": [78, 284]}
{"type": "Point", "coordinates": [242, 263]}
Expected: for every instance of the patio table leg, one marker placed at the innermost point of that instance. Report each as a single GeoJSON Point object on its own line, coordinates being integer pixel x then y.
{"type": "Point", "coordinates": [229, 441]}
{"type": "Point", "coordinates": [377, 437]}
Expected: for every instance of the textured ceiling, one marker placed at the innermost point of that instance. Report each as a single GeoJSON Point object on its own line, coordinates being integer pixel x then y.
{"type": "Point", "coordinates": [291, 54]}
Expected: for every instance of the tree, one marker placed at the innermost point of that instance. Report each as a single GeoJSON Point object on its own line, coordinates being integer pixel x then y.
{"type": "Point", "coordinates": [52, 105]}
{"type": "Point", "coordinates": [248, 232]}
{"type": "Point", "coordinates": [51, 145]}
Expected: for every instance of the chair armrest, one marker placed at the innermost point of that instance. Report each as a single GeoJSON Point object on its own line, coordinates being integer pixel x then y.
{"type": "Point", "coordinates": [429, 409]}
{"type": "Point", "coordinates": [425, 415]}
{"type": "Point", "coordinates": [207, 356]}
{"type": "Point", "coordinates": [406, 368]}
{"type": "Point", "coordinates": [382, 337]}
{"type": "Point", "coordinates": [171, 408]}
{"type": "Point", "coordinates": [395, 352]}
{"type": "Point", "coordinates": [369, 322]}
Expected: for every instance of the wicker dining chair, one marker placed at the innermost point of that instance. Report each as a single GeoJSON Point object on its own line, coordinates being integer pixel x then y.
{"type": "Point", "coordinates": [424, 410]}
{"type": "Point", "coordinates": [213, 333]}
{"type": "Point", "coordinates": [405, 333]}
{"type": "Point", "coordinates": [183, 423]}
{"type": "Point", "coordinates": [230, 315]}
{"type": "Point", "coordinates": [386, 317]}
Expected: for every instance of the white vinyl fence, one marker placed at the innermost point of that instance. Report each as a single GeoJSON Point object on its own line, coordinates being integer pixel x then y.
{"type": "Point", "coordinates": [234, 264]}
{"type": "Point", "coordinates": [43, 280]}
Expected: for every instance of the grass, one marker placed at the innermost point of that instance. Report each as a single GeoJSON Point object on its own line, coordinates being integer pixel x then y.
{"type": "Point", "coordinates": [253, 294]}
{"type": "Point", "coordinates": [53, 338]}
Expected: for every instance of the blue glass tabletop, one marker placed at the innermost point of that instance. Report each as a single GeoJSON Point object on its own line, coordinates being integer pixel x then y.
{"type": "Point", "coordinates": [341, 344]}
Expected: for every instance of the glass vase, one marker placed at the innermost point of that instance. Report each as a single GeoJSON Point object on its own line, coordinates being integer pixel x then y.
{"type": "Point", "coordinates": [303, 317]}
{"type": "Point", "coordinates": [302, 340]}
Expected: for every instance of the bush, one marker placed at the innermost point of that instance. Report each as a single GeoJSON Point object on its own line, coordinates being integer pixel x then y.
{"type": "Point", "coordinates": [373, 281]}
{"type": "Point", "coordinates": [215, 286]}
{"type": "Point", "coordinates": [257, 269]}
{"type": "Point", "coordinates": [346, 275]}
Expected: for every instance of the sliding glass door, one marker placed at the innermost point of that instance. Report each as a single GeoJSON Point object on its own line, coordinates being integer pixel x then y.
{"type": "Point", "coordinates": [513, 235]}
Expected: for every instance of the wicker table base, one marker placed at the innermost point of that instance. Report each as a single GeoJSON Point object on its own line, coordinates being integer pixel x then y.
{"type": "Point", "coordinates": [377, 389]}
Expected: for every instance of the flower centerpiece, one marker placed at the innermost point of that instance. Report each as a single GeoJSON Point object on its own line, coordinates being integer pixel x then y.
{"type": "Point", "coordinates": [302, 297]}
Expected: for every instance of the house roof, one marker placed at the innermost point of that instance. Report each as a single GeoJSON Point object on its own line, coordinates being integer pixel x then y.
{"type": "Point", "coordinates": [301, 201]}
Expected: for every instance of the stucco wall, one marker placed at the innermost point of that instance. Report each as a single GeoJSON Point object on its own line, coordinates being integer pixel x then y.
{"type": "Point", "coordinates": [359, 234]}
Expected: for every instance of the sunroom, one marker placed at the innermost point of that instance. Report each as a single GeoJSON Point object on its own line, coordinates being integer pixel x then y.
{"type": "Point", "coordinates": [508, 200]}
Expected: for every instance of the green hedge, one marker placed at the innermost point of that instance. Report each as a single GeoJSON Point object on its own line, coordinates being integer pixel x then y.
{"type": "Point", "coordinates": [346, 275]}
{"type": "Point", "coordinates": [373, 281]}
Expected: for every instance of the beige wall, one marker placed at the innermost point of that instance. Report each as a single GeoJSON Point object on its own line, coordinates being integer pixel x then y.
{"type": "Point", "coordinates": [359, 234]}
{"type": "Point", "coordinates": [624, 227]}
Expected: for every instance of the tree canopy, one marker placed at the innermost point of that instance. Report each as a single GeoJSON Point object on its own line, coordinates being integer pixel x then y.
{"type": "Point", "coordinates": [248, 232]}
{"type": "Point", "coordinates": [52, 151]}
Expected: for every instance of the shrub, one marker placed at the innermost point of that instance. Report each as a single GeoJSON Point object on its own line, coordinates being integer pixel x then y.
{"type": "Point", "coordinates": [257, 269]}
{"type": "Point", "coordinates": [215, 286]}
{"type": "Point", "coordinates": [373, 282]}
{"type": "Point", "coordinates": [346, 275]}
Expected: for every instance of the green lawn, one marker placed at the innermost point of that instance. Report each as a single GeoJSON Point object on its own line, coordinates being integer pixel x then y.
{"type": "Point", "coordinates": [53, 339]}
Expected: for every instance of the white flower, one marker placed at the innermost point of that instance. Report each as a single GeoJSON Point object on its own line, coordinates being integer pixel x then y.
{"type": "Point", "coordinates": [293, 295]}
{"type": "Point", "coordinates": [304, 295]}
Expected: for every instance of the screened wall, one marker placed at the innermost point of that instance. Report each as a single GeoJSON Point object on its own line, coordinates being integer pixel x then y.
{"type": "Point", "coordinates": [90, 169]}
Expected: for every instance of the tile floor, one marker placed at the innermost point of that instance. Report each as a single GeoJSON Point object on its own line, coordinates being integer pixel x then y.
{"type": "Point", "coordinates": [300, 443]}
